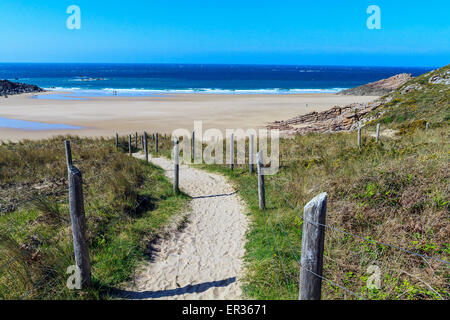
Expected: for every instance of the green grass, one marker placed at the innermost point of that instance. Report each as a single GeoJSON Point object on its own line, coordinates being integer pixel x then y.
{"type": "Point", "coordinates": [393, 191]}
{"type": "Point", "coordinates": [127, 203]}
{"type": "Point", "coordinates": [429, 102]}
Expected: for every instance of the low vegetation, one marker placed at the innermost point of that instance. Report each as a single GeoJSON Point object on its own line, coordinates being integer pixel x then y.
{"type": "Point", "coordinates": [127, 202]}
{"type": "Point", "coordinates": [394, 192]}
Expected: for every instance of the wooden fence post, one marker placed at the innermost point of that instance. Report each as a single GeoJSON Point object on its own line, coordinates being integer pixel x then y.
{"type": "Point", "coordinates": [145, 146]}
{"type": "Point", "coordinates": [251, 153]}
{"type": "Point", "coordinates": [427, 126]}
{"type": "Point", "coordinates": [359, 137]}
{"type": "Point", "coordinates": [378, 133]}
{"type": "Point", "coordinates": [176, 158]}
{"type": "Point", "coordinates": [193, 146]}
{"type": "Point", "coordinates": [232, 151]}
{"type": "Point", "coordinates": [117, 140]}
{"type": "Point", "coordinates": [129, 144]}
{"type": "Point", "coordinates": [314, 216]}
{"type": "Point", "coordinates": [156, 143]}
{"type": "Point", "coordinates": [136, 140]}
{"type": "Point", "coordinates": [77, 217]}
{"type": "Point", "coordinates": [68, 153]}
{"type": "Point", "coordinates": [261, 187]}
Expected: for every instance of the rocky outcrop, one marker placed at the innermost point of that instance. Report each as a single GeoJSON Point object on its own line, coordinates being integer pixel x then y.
{"type": "Point", "coordinates": [10, 88]}
{"type": "Point", "coordinates": [442, 78]}
{"type": "Point", "coordinates": [332, 120]}
{"type": "Point", "coordinates": [379, 88]}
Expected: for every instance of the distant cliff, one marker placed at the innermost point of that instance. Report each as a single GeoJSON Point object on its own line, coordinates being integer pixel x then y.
{"type": "Point", "coordinates": [11, 88]}
{"type": "Point", "coordinates": [379, 88]}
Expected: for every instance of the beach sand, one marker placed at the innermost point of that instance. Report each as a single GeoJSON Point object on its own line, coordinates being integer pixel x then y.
{"type": "Point", "coordinates": [104, 116]}
{"type": "Point", "coordinates": [204, 260]}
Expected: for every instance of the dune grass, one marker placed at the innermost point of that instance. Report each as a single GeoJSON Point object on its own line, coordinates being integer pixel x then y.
{"type": "Point", "coordinates": [127, 202]}
{"type": "Point", "coordinates": [393, 191]}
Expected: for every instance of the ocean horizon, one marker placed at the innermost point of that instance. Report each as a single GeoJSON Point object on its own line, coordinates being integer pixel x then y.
{"type": "Point", "coordinates": [106, 79]}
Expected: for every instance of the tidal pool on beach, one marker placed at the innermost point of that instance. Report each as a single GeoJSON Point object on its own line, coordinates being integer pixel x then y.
{"type": "Point", "coordinates": [33, 125]}
{"type": "Point", "coordinates": [86, 94]}
{"type": "Point", "coordinates": [56, 97]}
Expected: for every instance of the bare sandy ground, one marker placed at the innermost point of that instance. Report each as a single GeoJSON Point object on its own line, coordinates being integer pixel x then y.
{"type": "Point", "coordinates": [203, 260]}
{"type": "Point", "coordinates": [106, 115]}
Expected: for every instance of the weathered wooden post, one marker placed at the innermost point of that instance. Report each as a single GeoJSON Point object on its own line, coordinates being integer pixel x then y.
{"type": "Point", "coordinates": [232, 151]}
{"type": "Point", "coordinates": [176, 161]}
{"type": "Point", "coordinates": [68, 153]}
{"type": "Point", "coordinates": [251, 153]}
{"type": "Point", "coordinates": [117, 140]}
{"type": "Point", "coordinates": [314, 214]}
{"type": "Point", "coordinates": [77, 217]}
{"type": "Point", "coordinates": [136, 140]}
{"type": "Point", "coordinates": [427, 126]}
{"type": "Point", "coordinates": [145, 146]}
{"type": "Point", "coordinates": [129, 144]}
{"type": "Point", "coordinates": [359, 137]}
{"type": "Point", "coordinates": [193, 146]}
{"type": "Point", "coordinates": [261, 187]}
{"type": "Point", "coordinates": [156, 142]}
{"type": "Point", "coordinates": [378, 133]}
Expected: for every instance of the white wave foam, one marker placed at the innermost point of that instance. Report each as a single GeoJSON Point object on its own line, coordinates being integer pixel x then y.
{"type": "Point", "coordinates": [62, 89]}
{"type": "Point", "coordinates": [142, 91]}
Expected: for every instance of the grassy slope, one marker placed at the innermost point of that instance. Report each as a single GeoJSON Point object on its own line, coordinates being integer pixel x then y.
{"type": "Point", "coordinates": [127, 202]}
{"type": "Point", "coordinates": [431, 103]}
{"type": "Point", "coordinates": [391, 192]}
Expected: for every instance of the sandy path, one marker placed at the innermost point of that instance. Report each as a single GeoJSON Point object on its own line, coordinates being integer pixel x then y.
{"type": "Point", "coordinates": [204, 260]}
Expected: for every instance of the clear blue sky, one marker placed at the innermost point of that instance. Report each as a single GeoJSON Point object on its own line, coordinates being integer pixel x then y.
{"type": "Point", "coordinates": [318, 32]}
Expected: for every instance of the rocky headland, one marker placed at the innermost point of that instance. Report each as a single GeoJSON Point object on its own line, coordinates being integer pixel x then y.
{"type": "Point", "coordinates": [399, 89]}
{"type": "Point", "coordinates": [379, 88]}
{"type": "Point", "coordinates": [8, 88]}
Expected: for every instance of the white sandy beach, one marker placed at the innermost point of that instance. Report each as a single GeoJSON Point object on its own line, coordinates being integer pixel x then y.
{"type": "Point", "coordinates": [103, 116]}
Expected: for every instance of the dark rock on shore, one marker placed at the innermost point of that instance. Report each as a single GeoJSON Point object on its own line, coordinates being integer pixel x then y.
{"type": "Point", "coordinates": [379, 88]}
{"type": "Point", "coordinates": [332, 120]}
{"type": "Point", "coordinates": [10, 88]}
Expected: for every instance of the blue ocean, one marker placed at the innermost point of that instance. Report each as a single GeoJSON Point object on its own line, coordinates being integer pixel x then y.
{"type": "Point", "coordinates": [154, 79]}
